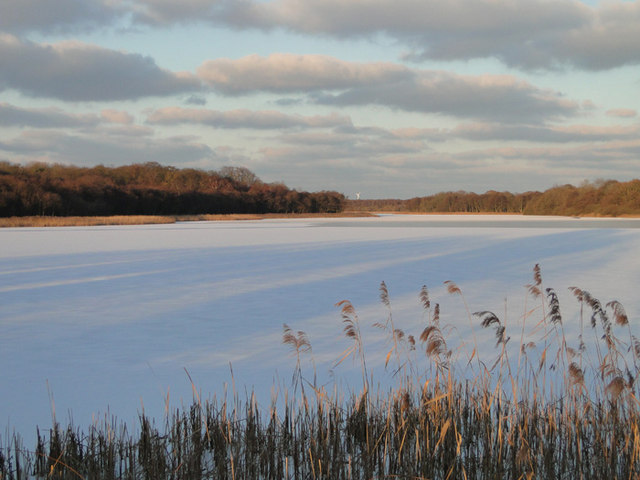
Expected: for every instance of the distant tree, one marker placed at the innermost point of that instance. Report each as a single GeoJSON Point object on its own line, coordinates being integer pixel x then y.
{"type": "Point", "coordinates": [151, 188]}
{"type": "Point", "coordinates": [241, 175]}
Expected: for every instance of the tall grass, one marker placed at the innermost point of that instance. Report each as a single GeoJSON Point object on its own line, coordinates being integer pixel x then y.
{"type": "Point", "coordinates": [540, 408]}
{"type": "Point", "coordinates": [51, 221]}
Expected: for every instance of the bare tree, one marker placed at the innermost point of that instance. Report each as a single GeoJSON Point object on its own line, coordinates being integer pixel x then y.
{"type": "Point", "coordinates": [241, 175]}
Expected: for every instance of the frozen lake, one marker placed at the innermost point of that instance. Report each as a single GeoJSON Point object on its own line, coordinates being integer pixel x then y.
{"type": "Point", "coordinates": [108, 318]}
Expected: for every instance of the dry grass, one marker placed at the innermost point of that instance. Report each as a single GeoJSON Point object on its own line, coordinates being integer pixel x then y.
{"type": "Point", "coordinates": [45, 221]}
{"type": "Point", "coordinates": [263, 216]}
{"type": "Point", "coordinates": [12, 222]}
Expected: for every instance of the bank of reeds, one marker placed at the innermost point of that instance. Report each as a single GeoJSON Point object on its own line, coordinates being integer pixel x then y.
{"type": "Point", "coordinates": [538, 408]}
{"type": "Point", "coordinates": [50, 221]}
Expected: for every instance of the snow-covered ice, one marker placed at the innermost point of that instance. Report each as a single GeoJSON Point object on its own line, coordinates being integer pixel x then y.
{"type": "Point", "coordinates": [108, 318]}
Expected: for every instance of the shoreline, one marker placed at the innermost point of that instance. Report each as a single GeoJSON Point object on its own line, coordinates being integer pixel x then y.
{"type": "Point", "coordinates": [90, 221]}
{"type": "Point", "coordinates": [46, 221]}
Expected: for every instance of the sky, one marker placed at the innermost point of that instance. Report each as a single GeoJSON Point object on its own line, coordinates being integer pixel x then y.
{"type": "Point", "coordinates": [392, 99]}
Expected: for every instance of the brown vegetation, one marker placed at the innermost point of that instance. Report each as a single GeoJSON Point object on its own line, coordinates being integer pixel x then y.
{"type": "Point", "coordinates": [602, 198]}
{"type": "Point", "coordinates": [148, 189]}
{"type": "Point", "coordinates": [40, 221]}
{"type": "Point", "coordinates": [83, 221]}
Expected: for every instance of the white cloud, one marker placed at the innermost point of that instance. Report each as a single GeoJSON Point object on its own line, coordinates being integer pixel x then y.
{"type": "Point", "coordinates": [335, 82]}
{"type": "Point", "coordinates": [406, 17]}
{"type": "Point", "coordinates": [115, 149]}
{"type": "Point", "coordinates": [268, 119]}
{"type": "Point", "coordinates": [622, 112]}
{"type": "Point", "coordinates": [618, 155]}
{"type": "Point", "coordinates": [609, 39]}
{"type": "Point", "coordinates": [357, 148]}
{"type": "Point", "coordinates": [527, 34]}
{"type": "Point", "coordinates": [124, 130]}
{"type": "Point", "coordinates": [196, 100]}
{"type": "Point", "coordinates": [11, 115]}
{"type": "Point", "coordinates": [531, 34]}
{"type": "Point", "coordinates": [19, 16]}
{"type": "Point", "coordinates": [116, 116]}
{"type": "Point", "coordinates": [75, 71]}
{"type": "Point", "coordinates": [287, 73]}
{"type": "Point", "coordinates": [544, 134]}
{"type": "Point", "coordinates": [492, 97]}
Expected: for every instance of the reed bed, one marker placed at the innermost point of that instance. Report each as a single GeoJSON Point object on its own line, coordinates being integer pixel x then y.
{"type": "Point", "coordinates": [537, 408]}
{"type": "Point", "coordinates": [49, 221]}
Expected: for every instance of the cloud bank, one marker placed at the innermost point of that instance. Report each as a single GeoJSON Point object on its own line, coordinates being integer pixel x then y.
{"type": "Point", "coordinates": [21, 16]}
{"type": "Point", "coordinates": [260, 120]}
{"type": "Point", "coordinates": [98, 148]}
{"type": "Point", "coordinates": [532, 34]}
{"type": "Point", "coordinates": [331, 81]}
{"type": "Point", "coordinates": [75, 71]}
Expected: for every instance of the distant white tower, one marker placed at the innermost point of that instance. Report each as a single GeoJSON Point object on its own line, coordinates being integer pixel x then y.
{"type": "Point", "coordinates": [357, 195]}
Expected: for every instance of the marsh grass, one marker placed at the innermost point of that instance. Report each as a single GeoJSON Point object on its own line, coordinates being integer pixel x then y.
{"type": "Point", "coordinates": [542, 408]}
{"type": "Point", "coordinates": [51, 221]}
{"type": "Point", "coordinates": [48, 221]}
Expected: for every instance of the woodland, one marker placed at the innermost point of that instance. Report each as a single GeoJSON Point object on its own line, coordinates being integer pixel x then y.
{"type": "Point", "coordinates": [41, 189]}
{"type": "Point", "coordinates": [599, 198]}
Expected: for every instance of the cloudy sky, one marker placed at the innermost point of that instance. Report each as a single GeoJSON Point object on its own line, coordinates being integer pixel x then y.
{"type": "Point", "coordinates": [391, 98]}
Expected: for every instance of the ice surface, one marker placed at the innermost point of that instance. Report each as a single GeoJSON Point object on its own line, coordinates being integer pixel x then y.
{"type": "Point", "coordinates": [108, 318]}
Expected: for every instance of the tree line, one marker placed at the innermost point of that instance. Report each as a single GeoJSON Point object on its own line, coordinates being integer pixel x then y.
{"type": "Point", "coordinates": [600, 198]}
{"type": "Point", "coordinates": [149, 189]}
